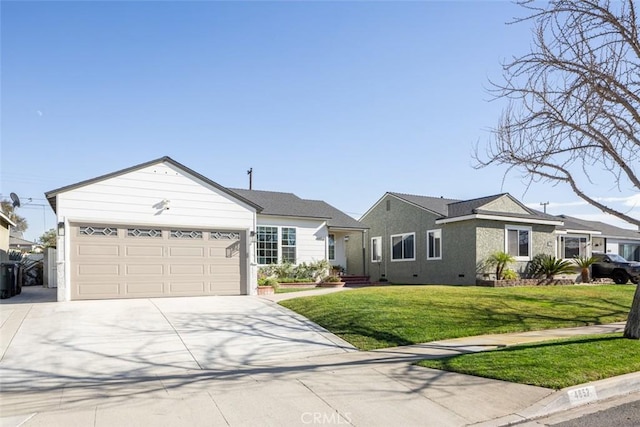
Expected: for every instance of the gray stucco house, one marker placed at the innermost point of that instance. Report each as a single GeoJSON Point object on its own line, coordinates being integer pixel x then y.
{"type": "Point", "coordinates": [432, 240]}
{"type": "Point", "coordinates": [418, 239]}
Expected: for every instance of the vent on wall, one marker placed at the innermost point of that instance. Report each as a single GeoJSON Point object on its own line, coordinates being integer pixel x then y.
{"type": "Point", "coordinates": [388, 205]}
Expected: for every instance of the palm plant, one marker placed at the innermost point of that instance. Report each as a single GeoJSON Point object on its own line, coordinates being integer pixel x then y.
{"type": "Point", "coordinates": [500, 260]}
{"type": "Point", "coordinates": [550, 266]}
{"type": "Point", "coordinates": [584, 263]}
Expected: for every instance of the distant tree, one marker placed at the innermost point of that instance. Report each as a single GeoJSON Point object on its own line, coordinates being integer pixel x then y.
{"type": "Point", "coordinates": [48, 238]}
{"type": "Point", "coordinates": [9, 210]}
{"type": "Point", "coordinates": [574, 104]}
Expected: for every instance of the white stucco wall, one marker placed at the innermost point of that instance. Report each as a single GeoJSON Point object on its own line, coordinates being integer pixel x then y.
{"type": "Point", "coordinates": [135, 198]}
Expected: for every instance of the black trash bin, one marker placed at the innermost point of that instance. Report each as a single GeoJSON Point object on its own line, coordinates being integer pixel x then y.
{"type": "Point", "coordinates": [9, 279]}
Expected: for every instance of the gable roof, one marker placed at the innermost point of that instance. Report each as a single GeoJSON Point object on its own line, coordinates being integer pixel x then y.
{"type": "Point", "coordinates": [438, 205]}
{"type": "Point", "coordinates": [468, 207]}
{"type": "Point", "coordinates": [452, 210]}
{"type": "Point", "coordinates": [288, 204]}
{"type": "Point", "coordinates": [51, 195]}
{"type": "Point", "coordinates": [606, 230]}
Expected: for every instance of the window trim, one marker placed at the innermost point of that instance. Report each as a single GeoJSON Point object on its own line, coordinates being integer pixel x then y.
{"type": "Point", "coordinates": [258, 243]}
{"type": "Point", "coordinates": [529, 230]}
{"type": "Point", "coordinates": [282, 245]}
{"type": "Point", "coordinates": [563, 244]}
{"type": "Point", "coordinates": [279, 243]}
{"type": "Point", "coordinates": [331, 238]}
{"type": "Point", "coordinates": [379, 247]}
{"type": "Point", "coordinates": [438, 235]}
{"type": "Point", "coordinates": [403, 236]}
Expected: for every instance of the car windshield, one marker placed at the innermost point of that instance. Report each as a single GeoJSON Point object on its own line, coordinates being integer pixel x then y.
{"type": "Point", "coordinates": [616, 258]}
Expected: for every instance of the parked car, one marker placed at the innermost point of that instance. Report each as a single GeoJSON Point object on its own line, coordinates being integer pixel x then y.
{"type": "Point", "coordinates": [615, 267]}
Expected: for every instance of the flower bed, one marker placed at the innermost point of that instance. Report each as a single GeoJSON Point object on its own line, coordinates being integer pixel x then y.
{"type": "Point", "coordinates": [524, 282]}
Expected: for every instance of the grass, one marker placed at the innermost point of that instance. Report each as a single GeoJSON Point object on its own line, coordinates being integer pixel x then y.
{"type": "Point", "coordinates": [380, 317]}
{"type": "Point", "coordinates": [551, 364]}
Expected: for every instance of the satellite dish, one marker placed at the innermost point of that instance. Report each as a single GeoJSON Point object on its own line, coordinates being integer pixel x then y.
{"type": "Point", "coordinates": [15, 199]}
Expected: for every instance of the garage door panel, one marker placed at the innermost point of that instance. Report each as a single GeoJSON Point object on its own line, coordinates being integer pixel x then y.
{"type": "Point", "coordinates": [129, 264]}
{"type": "Point", "coordinates": [98, 250]}
{"type": "Point", "coordinates": [144, 251]}
{"type": "Point", "coordinates": [145, 269]}
{"type": "Point", "coordinates": [186, 269]}
{"type": "Point", "coordinates": [98, 269]}
{"type": "Point", "coordinates": [187, 287]}
{"type": "Point", "coordinates": [180, 251]}
{"type": "Point", "coordinates": [136, 288]}
{"type": "Point", "coordinates": [98, 289]}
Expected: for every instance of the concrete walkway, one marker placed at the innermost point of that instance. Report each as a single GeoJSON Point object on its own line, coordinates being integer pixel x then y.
{"type": "Point", "coordinates": [334, 387]}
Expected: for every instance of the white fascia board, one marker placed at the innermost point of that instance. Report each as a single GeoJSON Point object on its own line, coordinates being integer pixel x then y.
{"type": "Point", "coordinates": [499, 218]}
{"type": "Point", "coordinates": [592, 232]}
{"type": "Point", "coordinates": [6, 218]}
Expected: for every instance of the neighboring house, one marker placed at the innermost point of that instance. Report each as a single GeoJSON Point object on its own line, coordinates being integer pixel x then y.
{"type": "Point", "coordinates": [162, 229]}
{"type": "Point", "coordinates": [19, 244]}
{"type": "Point", "coordinates": [5, 232]}
{"type": "Point", "coordinates": [421, 240]}
{"type": "Point", "coordinates": [579, 237]}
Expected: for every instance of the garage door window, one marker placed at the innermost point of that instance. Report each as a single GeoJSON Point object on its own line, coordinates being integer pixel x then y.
{"type": "Point", "coordinates": [186, 234]}
{"type": "Point", "coordinates": [144, 232]}
{"type": "Point", "coordinates": [224, 235]}
{"type": "Point", "coordinates": [98, 231]}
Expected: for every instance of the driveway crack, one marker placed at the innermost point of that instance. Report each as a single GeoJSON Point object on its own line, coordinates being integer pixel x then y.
{"type": "Point", "coordinates": [177, 334]}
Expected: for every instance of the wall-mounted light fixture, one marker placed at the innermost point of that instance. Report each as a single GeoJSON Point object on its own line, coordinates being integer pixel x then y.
{"type": "Point", "coordinates": [61, 229]}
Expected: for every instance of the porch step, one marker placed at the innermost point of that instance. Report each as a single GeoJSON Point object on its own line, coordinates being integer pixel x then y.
{"type": "Point", "coordinates": [352, 280]}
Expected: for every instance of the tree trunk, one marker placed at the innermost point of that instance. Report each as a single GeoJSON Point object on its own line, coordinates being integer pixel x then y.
{"type": "Point", "coordinates": [632, 329]}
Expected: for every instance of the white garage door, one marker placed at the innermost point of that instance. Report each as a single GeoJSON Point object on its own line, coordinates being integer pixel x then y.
{"type": "Point", "coordinates": [114, 261]}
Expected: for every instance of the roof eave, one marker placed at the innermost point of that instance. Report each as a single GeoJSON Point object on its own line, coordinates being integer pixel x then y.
{"type": "Point", "coordinates": [499, 218]}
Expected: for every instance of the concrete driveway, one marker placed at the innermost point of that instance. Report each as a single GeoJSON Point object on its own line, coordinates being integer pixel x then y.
{"type": "Point", "coordinates": [239, 361]}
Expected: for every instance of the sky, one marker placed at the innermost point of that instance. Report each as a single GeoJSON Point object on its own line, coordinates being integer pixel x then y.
{"type": "Point", "coordinates": [330, 100]}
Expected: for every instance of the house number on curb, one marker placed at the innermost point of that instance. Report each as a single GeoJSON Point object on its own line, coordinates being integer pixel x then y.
{"type": "Point", "coordinates": [582, 395]}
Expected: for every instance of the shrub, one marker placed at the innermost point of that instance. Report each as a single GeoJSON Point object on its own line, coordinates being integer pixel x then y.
{"type": "Point", "coordinates": [510, 274]}
{"type": "Point", "coordinates": [499, 260]}
{"type": "Point", "coordinates": [267, 281]}
{"type": "Point", "coordinates": [331, 279]}
{"type": "Point", "coordinates": [543, 265]}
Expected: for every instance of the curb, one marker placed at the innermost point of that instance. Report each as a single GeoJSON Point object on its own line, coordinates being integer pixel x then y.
{"type": "Point", "coordinates": [572, 397]}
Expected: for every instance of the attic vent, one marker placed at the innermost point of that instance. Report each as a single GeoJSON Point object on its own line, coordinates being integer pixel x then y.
{"type": "Point", "coordinates": [388, 205]}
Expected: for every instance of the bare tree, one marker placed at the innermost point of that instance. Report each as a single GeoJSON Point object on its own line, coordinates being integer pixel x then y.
{"type": "Point", "coordinates": [574, 104]}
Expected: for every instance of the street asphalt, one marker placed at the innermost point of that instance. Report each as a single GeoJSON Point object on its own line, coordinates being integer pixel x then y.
{"type": "Point", "coordinates": [245, 361]}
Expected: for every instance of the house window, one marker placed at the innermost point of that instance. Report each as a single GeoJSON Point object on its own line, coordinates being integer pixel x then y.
{"type": "Point", "coordinates": [434, 244]}
{"type": "Point", "coordinates": [571, 247]}
{"type": "Point", "coordinates": [518, 242]}
{"type": "Point", "coordinates": [267, 245]}
{"type": "Point", "coordinates": [376, 249]}
{"type": "Point", "coordinates": [629, 251]}
{"type": "Point", "coordinates": [403, 247]}
{"type": "Point", "coordinates": [332, 247]}
{"type": "Point", "coordinates": [288, 245]}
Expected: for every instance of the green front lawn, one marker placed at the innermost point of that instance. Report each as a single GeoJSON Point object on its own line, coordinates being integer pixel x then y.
{"type": "Point", "coordinates": [390, 316]}
{"type": "Point", "coordinates": [552, 364]}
